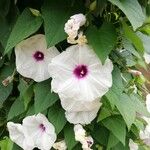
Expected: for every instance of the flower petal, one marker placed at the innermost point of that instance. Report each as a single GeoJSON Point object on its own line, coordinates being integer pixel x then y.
{"type": "Point", "coordinates": [19, 135]}
{"type": "Point", "coordinates": [82, 117]}
{"type": "Point", "coordinates": [72, 104]}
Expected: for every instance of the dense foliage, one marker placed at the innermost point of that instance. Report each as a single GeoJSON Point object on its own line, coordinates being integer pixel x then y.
{"type": "Point", "coordinates": [118, 29]}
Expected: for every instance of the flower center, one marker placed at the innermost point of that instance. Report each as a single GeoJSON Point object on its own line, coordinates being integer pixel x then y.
{"type": "Point", "coordinates": [80, 71]}
{"type": "Point", "coordinates": [42, 127]}
{"type": "Point", "coordinates": [38, 56]}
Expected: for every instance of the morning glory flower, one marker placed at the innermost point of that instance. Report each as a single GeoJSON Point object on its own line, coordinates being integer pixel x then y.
{"type": "Point", "coordinates": [35, 132]}
{"type": "Point", "coordinates": [19, 135]}
{"type": "Point", "coordinates": [78, 72]}
{"type": "Point", "coordinates": [33, 57]}
{"type": "Point", "coordinates": [82, 117]}
{"type": "Point", "coordinates": [73, 25]}
{"type": "Point", "coordinates": [40, 130]}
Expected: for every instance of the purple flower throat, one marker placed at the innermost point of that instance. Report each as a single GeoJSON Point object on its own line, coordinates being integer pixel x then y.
{"type": "Point", "coordinates": [42, 127]}
{"type": "Point", "coordinates": [80, 71]}
{"type": "Point", "coordinates": [38, 56]}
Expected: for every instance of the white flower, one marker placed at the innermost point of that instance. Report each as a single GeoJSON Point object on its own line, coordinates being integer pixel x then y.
{"type": "Point", "coordinates": [147, 57]}
{"type": "Point", "coordinates": [60, 145]}
{"type": "Point", "coordinates": [132, 145]}
{"type": "Point", "coordinates": [82, 117]}
{"type": "Point", "coordinates": [40, 130]}
{"type": "Point", "coordinates": [73, 24]}
{"type": "Point", "coordinates": [78, 72]}
{"type": "Point", "coordinates": [19, 135]}
{"type": "Point", "coordinates": [80, 135]}
{"type": "Point", "coordinates": [33, 57]}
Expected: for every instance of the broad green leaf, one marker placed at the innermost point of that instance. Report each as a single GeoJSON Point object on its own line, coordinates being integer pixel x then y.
{"type": "Point", "coordinates": [146, 41]}
{"type": "Point", "coordinates": [117, 126]}
{"type": "Point", "coordinates": [120, 146]}
{"type": "Point", "coordinates": [31, 111]}
{"type": "Point", "coordinates": [132, 10]}
{"type": "Point", "coordinates": [44, 98]}
{"type": "Point", "coordinates": [104, 113]}
{"type": "Point", "coordinates": [131, 35]}
{"type": "Point", "coordinates": [100, 134]}
{"type": "Point", "coordinates": [102, 40]}
{"type": "Point", "coordinates": [3, 116]}
{"type": "Point", "coordinates": [56, 116]}
{"type": "Point", "coordinates": [5, 91]}
{"type": "Point", "coordinates": [4, 7]}
{"type": "Point", "coordinates": [16, 147]}
{"type": "Point", "coordinates": [56, 14]}
{"type": "Point", "coordinates": [129, 47]}
{"type": "Point", "coordinates": [26, 25]}
{"type": "Point", "coordinates": [26, 92]}
{"type": "Point", "coordinates": [139, 105]}
{"type": "Point", "coordinates": [7, 23]}
{"type": "Point", "coordinates": [69, 137]}
{"type": "Point", "coordinates": [6, 144]}
{"type": "Point", "coordinates": [121, 100]}
{"type": "Point", "coordinates": [16, 109]}
{"type": "Point", "coordinates": [112, 141]}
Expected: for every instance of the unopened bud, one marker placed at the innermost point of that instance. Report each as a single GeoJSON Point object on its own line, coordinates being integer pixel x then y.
{"type": "Point", "coordinates": [135, 72]}
{"type": "Point", "coordinates": [8, 80]}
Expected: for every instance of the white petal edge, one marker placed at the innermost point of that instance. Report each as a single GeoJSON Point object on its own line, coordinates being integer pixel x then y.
{"type": "Point", "coordinates": [82, 117]}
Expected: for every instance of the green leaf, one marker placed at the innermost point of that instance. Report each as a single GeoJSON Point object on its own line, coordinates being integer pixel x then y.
{"type": "Point", "coordinates": [121, 100]}
{"type": "Point", "coordinates": [26, 25]}
{"type": "Point", "coordinates": [146, 40]}
{"type": "Point", "coordinates": [6, 144]}
{"type": "Point", "coordinates": [139, 105]}
{"type": "Point", "coordinates": [100, 134]}
{"type": "Point", "coordinates": [132, 10]}
{"type": "Point", "coordinates": [5, 91]}
{"type": "Point", "coordinates": [129, 47]}
{"type": "Point", "coordinates": [16, 147]}
{"type": "Point", "coordinates": [4, 7]}
{"type": "Point", "coordinates": [131, 35]}
{"type": "Point", "coordinates": [26, 92]}
{"type": "Point", "coordinates": [56, 116]}
{"type": "Point", "coordinates": [99, 39]}
{"type": "Point", "coordinates": [16, 109]}
{"type": "Point", "coordinates": [112, 141]}
{"type": "Point", "coordinates": [104, 113]}
{"type": "Point", "coordinates": [117, 126]}
{"type": "Point", "coordinates": [69, 137]}
{"type": "Point", "coordinates": [120, 146]}
{"type": "Point", "coordinates": [55, 14]}
{"type": "Point", "coordinates": [44, 98]}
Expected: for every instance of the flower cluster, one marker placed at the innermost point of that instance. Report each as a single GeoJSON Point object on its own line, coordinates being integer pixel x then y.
{"type": "Point", "coordinates": [35, 131]}
{"type": "Point", "coordinates": [78, 76]}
